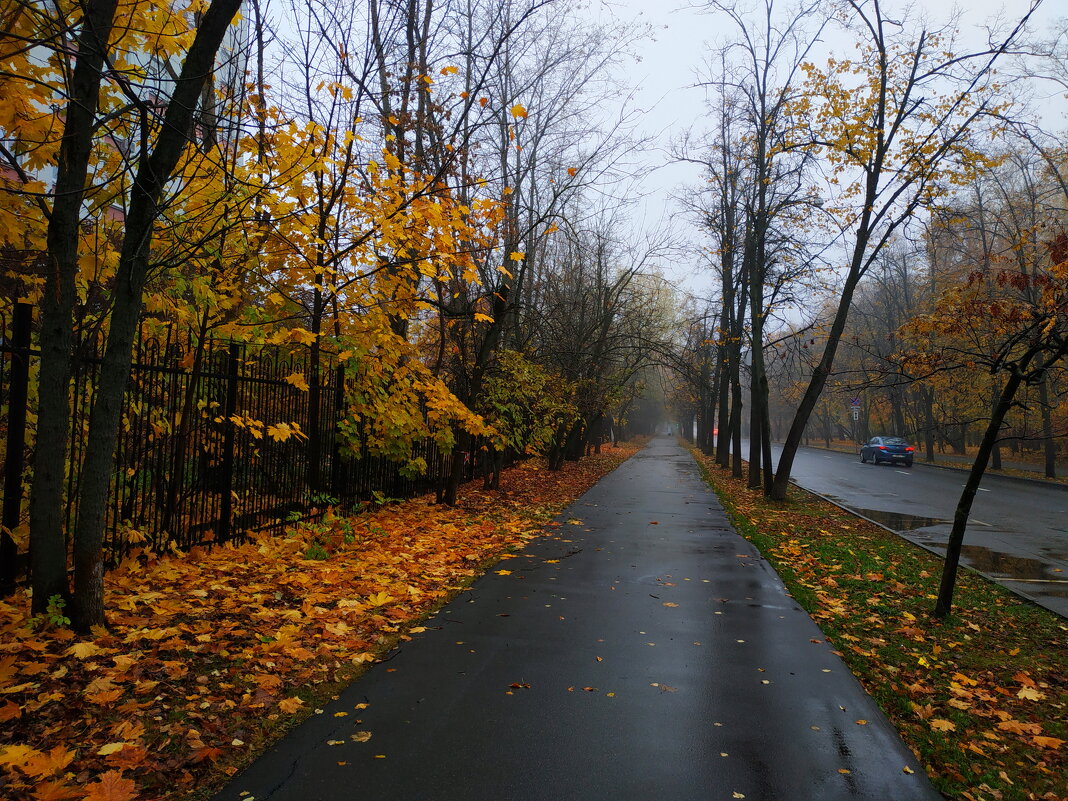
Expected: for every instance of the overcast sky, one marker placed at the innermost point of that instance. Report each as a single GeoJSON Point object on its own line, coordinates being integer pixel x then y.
{"type": "Point", "coordinates": [671, 59]}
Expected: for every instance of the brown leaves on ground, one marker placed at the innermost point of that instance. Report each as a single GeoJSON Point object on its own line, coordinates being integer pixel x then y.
{"type": "Point", "coordinates": [207, 653]}
{"type": "Point", "coordinates": [982, 697]}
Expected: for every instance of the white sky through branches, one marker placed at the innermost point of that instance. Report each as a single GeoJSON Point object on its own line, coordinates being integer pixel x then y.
{"type": "Point", "coordinates": [667, 95]}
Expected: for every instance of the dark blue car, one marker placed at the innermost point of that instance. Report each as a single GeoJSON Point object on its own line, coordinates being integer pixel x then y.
{"type": "Point", "coordinates": [895, 450]}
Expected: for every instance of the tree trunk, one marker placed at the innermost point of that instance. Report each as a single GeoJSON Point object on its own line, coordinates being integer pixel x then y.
{"type": "Point", "coordinates": [1049, 447]}
{"type": "Point", "coordinates": [48, 547]}
{"type": "Point", "coordinates": [929, 425]}
{"type": "Point", "coordinates": [756, 435]}
{"type": "Point", "coordinates": [154, 171]}
{"type": "Point", "coordinates": [967, 496]}
{"type": "Point", "coordinates": [736, 426]}
{"type": "Point", "coordinates": [995, 454]}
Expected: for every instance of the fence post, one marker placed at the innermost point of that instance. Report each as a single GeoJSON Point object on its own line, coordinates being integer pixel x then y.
{"type": "Point", "coordinates": [226, 508]}
{"type": "Point", "coordinates": [16, 442]}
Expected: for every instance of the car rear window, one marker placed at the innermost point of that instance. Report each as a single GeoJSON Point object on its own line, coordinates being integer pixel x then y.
{"type": "Point", "coordinates": [895, 441]}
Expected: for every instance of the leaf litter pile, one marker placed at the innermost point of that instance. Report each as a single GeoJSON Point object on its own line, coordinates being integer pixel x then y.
{"type": "Point", "coordinates": [209, 655]}
{"type": "Point", "coordinates": [981, 698]}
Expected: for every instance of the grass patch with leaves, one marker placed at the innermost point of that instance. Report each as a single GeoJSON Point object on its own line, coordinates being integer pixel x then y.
{"type": "Point", "coordinates": [981, 698]}
{"type": "Point", "coordinates": [208, 656]}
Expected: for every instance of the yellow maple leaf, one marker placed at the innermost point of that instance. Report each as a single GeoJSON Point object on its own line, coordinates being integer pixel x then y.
{"type": "Point", "coordinates": [302, 335]}
{"type": "Point", "coordinates": [279, 432]}
{"type": "Point", "coordinates": [379, 598]}
{"type": "Point", "coordinates": [504, 572]}
{"type": "Point", "coordinates": [83, 650]}
{"type": "Point", "coordinates": [450, 70]}
{"type": "Point", "coordinates": [17, 755]}
{"type": "Point", "coordinates": [940, 724]}
{"type": "Point", "coordinates": [1030, 694]}
{"type": "Point", "coordinates": [518, 111]}
{"type": "Point", "coordinates": [517, 255]}
{"type": "Point", "coordinates": [110, 748]}
{"type": "Point", "coordinates": [297, 380]}
{"type": "Point", "coordinates": [290, 705]}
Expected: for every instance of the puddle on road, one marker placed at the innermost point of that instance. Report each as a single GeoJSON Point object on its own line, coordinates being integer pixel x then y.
{"type": "Point", "coordinates": [898, 521]}
{"type": "Point", "coordinates": [1012, 567]}
{"type": "Point", "coordinates": [1036, 578]}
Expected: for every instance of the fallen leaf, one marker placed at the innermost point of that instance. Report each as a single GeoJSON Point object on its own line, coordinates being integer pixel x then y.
{"type": "Point", "coordinates": [361, 736]}
{"type": "Point", "coordinates": [669, 603]}
{"type": "Point", "coordinates": [111, 786]}
{"type": "Point", "coordinates": [1048, 742]}
{"type": "Point", "coordinates": [55, 791]}
{"type": "Point", "coordinates": [290, 705]}
{"type": "Point", "coordinates": [84, 650]}
{"type": "Point", "coordinates": [939, 724]}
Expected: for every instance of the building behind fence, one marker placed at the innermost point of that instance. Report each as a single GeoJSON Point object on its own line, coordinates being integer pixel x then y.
{"type": "Point", "coordinates": [185, 472]}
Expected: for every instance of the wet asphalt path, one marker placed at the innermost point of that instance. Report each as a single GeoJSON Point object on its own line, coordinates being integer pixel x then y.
{"type": "Point", "coordinates": [657, 656]}
{"type": "Point", "coordinates": [1017, 534]}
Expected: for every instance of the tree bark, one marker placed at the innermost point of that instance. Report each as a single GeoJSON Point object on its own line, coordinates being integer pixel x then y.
{"type": "Point", "coordinates": [1049, 448]}
{"type": "Point", "coordinates": [48, 547]}
{"type": "Point", "coordinates": [154, 171]}
{"type": "Point", "coordinates": [967, 496]}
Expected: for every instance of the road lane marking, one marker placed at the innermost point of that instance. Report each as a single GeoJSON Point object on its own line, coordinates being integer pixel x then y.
{"type": "Point", "coordinates": [980, 522]}
{"type": "Point", "coordinates": [903, 472]}
{"type": "Point", "coordinates": [981, 489]}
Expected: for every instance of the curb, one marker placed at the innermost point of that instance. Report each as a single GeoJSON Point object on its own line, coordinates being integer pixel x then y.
{"type": "Point", "coordinates": [927, 548]}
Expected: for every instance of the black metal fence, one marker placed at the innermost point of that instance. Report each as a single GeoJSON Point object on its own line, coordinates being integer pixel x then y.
{"type": "Point", "coordinates": [195, 463]}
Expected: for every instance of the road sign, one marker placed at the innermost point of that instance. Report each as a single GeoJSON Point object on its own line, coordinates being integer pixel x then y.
{"type": "Point", "coordinates": [856, 414]}
{"type": "Point", "coordinates": [855, 402]}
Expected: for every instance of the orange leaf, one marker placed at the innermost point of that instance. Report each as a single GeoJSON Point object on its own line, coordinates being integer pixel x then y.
{"type": "Point", "coordinates": [938, 724]}
{"type": "Point", "coordinates": [208, 752]}
{"type": "Point", "coordinates": [55, 791]}
{"type": "Point", "coordinates": [10, 711]}
{"type": "Point", "coordinates": [1017, 727]}
{"type": "Point", "coordinates": [112, 786]}
{"type": "Point", "coordinates": [106, 697]}
{"type": "Point", "coordinates": [1048, 742]}
{"type": "Point", "coordinates": [48, 764]}
{"type": "Point", "coordinates": [290, 705]}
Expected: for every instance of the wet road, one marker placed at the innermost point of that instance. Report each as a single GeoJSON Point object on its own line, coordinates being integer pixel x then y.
{"type": "Point", "coordinates": [1017, 534]}
{"type": "Point", "coordinates": [644, 652]}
